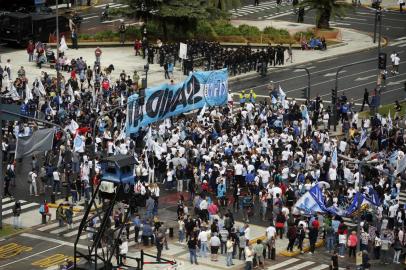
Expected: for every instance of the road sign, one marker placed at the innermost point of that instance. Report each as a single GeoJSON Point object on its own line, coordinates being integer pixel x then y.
{"type": "Point", "coordinates": [10, 108]}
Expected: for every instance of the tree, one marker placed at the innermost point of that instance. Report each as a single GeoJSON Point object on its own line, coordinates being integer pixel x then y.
{"type": "Point", "coordinates": [326, 10]}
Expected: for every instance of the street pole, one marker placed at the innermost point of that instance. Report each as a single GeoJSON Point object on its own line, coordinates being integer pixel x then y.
{"type": "Point", "coordinates": [336, 87]}
{"type": "Point", "coordinates": [1, 176]}
{"type": "Point", "coordinates": [375, 24]}
{"type": "Point", "coordinates": [360, 182]}
{"type": "Point", "coordinates": [57, 47]}
{"type": "Point", "coordinates": [379, 19]}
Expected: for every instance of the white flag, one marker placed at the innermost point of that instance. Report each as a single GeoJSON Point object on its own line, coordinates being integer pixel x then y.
{"type": "Point", "coordinates": [390, 124]}
{"type": "Point", "coordinates": [63, 46]}
{"type": "Point", "coordinates": [41, 88]}
{"type": "Point", "coordinates": [73, 126]}
{"type": "Point", "coordinates": [202, 111]}
{"type": "Point", "coordinates": [282, 97]}
{"type": "Point", "coordinates": [13, 91]}
{"type": "Point", "coordinates": [72, 95]}
{"type": "Point", "coordinates": [28, 93]}
{"type": "Point", "coordinates": [364, 137]}
{"type": "Point", "coordinates": [401, 166]}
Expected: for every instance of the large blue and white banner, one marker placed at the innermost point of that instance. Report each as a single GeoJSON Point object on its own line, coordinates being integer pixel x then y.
{"type": "Point", "coordinates": [208, 88]}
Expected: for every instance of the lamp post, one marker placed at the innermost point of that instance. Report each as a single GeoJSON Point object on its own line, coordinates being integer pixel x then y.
{"type": "Point", "coordinates": [146, 69]}
{"type": "Point", "coordinates": [57, 47]}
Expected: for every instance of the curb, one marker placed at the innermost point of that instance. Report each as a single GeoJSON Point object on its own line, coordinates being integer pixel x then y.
{"type": "Point", "coordinates": [306, 248]}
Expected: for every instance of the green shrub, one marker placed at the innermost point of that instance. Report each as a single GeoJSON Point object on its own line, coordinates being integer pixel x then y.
{"type": "Point", "coordinates": [276, 34]}
{"type": "Point", "coordinates": [84, 36]}
{"type": "Point", "coordinates": [223, 28]}
{"type": "Point", "coordinates": [306, 34]}
{"type": "Point", "coordinates": [231, 39]}
{"type": "Point", "coordinates": [204, 30]}
{"type": "Point", "coordinates": [133, 32]}
{"type": "Point", "coordinates": [247, 30]}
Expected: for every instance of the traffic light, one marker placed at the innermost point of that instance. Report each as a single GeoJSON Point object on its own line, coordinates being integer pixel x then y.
{"type": "Point", "coordinates": [382, 61]}
{"type": "Point", "coordinates": [333, 96]}
{"type": "Point", "coordinates": [304, 93]}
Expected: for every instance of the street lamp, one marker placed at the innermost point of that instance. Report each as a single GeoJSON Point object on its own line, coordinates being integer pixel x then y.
{"type": "Point", "coordinates": [145, 81]}
{"type": "Point", "coordinates": [57, 47]}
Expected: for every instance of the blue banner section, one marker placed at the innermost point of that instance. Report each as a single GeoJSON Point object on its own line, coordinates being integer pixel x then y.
{"type": "Point", "coordinates": [313, 202]}
{"type": "Point", "coordinates": [208, 88]}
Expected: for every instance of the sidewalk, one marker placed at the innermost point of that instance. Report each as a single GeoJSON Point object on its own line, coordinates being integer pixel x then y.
{"type": "Point", "coordinates": [123, 57]}
{"type": "Point", "coordinates": [388, 4]}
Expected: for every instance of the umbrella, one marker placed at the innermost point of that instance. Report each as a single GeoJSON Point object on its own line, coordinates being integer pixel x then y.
{"type": "Point", "coordinates": [323, 184]}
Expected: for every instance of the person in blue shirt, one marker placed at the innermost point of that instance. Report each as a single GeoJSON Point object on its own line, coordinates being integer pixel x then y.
{"type": "Point", "coordinates": [250, 177]}
{"type": "Point", "coordinates": [228, 151]}
{"type": "Point", "coordinates": [221, 191]}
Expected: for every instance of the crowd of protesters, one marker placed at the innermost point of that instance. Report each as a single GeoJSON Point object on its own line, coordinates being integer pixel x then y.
{"type": "Point", "coordinates": [247, 160]}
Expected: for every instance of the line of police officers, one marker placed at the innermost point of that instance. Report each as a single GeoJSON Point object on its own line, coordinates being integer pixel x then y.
{"type": "Point", "coordinates": [212, 56]}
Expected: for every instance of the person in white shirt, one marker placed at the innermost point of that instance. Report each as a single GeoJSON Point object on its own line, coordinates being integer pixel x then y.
{"type": "Point", "coordinates": [56, 182]}
{"type": "Point", "coordinates": [203, 238]}
{"type": "Point", "coordinates": [32, 180]}
{"type": "Point", "coordinates": [270, 232]}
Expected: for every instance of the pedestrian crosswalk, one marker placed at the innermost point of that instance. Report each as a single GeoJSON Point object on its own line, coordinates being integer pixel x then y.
{"type": "Point", "coordinates": [270, 7]}
{"type": "Point", "coordinates": [299, 264]}
{"type": "Point", "coordinates": [69, 232]}
{"type": "Point", "coordinates": [8, 204]}
{"type": "Point", "coordinates": [111, 5]}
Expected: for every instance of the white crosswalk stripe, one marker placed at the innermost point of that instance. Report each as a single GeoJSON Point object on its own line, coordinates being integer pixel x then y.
{"type": "Point", "coordinates": [111, 5]}
{"type": "Point", "coordinates": [8, 204]}
{"type": "Point", "coordinates": [250, 9]}
{"type": "Point", "coordinates": [299, 264]}
{"type": "Point", "coordinates": [283, 264]}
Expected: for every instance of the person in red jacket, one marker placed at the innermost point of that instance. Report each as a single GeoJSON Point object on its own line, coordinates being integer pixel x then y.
{"type": "Point", "coordinates": [30, 51]}
{"type": "Point", "coordinates": [137, 47]}
{"type": "Point", "coordinates": [316, 223]}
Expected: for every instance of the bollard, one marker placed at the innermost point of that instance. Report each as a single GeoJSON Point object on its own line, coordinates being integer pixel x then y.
{"type": "Point", "coordinates": [44, 219]}
{"type": "Point", "coordinates": [86, 204]}
{"type": "Point", "coordinates": [170, 232]}
{"type": "Point", "coordinates": [53, 197]}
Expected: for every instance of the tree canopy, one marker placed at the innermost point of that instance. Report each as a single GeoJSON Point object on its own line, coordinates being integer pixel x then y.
{"type": "Point", "coordinates": [326, 10]}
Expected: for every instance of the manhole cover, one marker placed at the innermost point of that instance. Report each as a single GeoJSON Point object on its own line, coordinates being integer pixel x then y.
{"type": "Point", "coordinates": [292, 24]}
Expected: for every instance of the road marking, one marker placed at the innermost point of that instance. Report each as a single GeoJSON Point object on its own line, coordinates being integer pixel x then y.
{"type": "Point", "coordinates": [397, 42]}
{"type": "Point", "coordinates": [393, 83]}
{"type": "Point", "coordinates": [25, 206]}
{"type": "Point", "coordinates": [365, 78]}
{"type": "Point", "coordinates": [36, 254]}
{"type": "Point", "coordinates": [305, 75]}
{"type": "Point", "coordinates": [6, 200]}
{"type": "Point", "coordinates": [352, 18]}
{"type": "Point", "coordinates": [56, 259]}
{"type": "Point", "coordinates": [320, 267]}
{"type": "Point", "coordinates": [400, 38]}
{"type": "Point", "coordinates": [300, 266]}
{"type": "Point", "coordinates": [339, 23]}
{"type": "Point", "coordinates": [54, 225]}
{"type": "Point", "coordinates": [12, 249]}
{"type": "Point", "coordinates": [29, 235]}
{"type": "Point", "coordinates": [325, 60]}
{"type": "Point", "coordinates": [360, 85]}
{"type": "Point", "coordinates": [333, 73]}
{"type": "Point", "coordinates": [282, 264]}
{"type": "Point", "coordinates": [91, 17]}
{"type": "Point", "coordinates": [117, 20]}
{"type": "Point", "coordinates": [402, 45]}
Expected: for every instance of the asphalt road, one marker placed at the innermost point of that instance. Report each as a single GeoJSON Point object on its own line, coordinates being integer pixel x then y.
{"type": "Point", "coordinates": [352, 80]}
